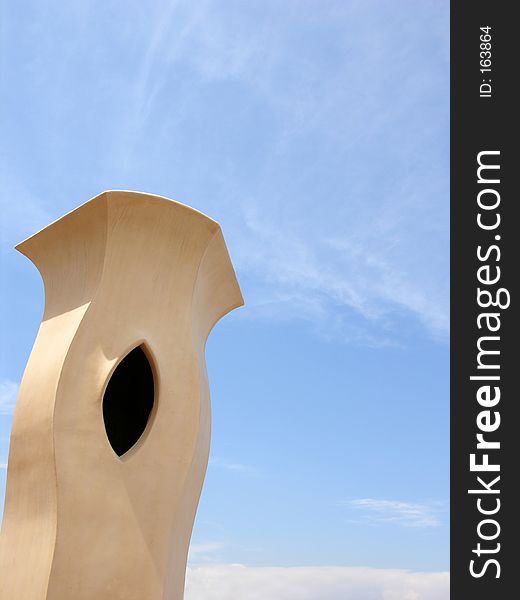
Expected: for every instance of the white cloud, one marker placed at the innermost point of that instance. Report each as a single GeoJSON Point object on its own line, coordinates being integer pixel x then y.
{"type": "Point", "coordinates": [406, 514]}
{"type": "Point", "coordinates": [232, 582]}
{"type": "Point", "coordinates": [8, 394]}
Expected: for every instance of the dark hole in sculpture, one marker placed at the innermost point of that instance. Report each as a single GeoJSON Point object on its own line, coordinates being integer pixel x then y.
{"type": "Point", "coordinates": [128, 401]}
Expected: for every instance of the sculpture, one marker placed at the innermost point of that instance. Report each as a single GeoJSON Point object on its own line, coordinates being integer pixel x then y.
{"type": "Point", "coordinates": [111, 432]}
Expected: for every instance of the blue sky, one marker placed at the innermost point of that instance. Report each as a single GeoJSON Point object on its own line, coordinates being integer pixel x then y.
{"type": "Point", "coordinates": [316, 133]}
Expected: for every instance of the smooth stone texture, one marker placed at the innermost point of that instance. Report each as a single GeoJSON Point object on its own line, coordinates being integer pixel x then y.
{"type": "Point", "coordinates": [124, 270]}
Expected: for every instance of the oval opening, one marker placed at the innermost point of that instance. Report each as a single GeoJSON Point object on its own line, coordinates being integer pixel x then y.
{"type": "Point", "coordinates": [128, 401]}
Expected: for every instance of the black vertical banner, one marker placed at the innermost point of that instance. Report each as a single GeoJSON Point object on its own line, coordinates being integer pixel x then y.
{"type": "Point", "coordinates": [485, 250]}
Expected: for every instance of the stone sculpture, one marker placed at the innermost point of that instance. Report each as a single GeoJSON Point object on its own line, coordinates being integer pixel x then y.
{"type": "Point", "coordinates": [111, 432]}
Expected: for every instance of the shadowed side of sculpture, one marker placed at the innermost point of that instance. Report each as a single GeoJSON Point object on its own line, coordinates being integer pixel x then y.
{"type": "Point", "coordinates": [111, 433]}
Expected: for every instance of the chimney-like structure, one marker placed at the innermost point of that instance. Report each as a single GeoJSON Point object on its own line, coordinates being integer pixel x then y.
{"type": "Point", "coordinates": [111, 431]}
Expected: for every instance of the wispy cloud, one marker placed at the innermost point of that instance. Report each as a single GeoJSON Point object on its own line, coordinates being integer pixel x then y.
{"type": "Point", "coordinates": [229, 582]}
{"type": "Point", "coordinates": [205, 552]}
{"type": "Point", "coordinates": [332, 189]}
{"type": "Point", "coordinates": [369, 251]}
{"type": "Point", "coordinates": [219, 463]}
{"type": "Point", "coordinates": [394, 512]}
{"type": "Point", "coordinates": [355, 258]}
{"type": "Point", "coordinates": [8, 394]}
{"type": "Point", "coordinates": [333, 282]}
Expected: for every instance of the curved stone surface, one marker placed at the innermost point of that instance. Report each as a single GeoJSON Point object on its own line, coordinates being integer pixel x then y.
{"type": "Point", "coordinates": [124, 270]}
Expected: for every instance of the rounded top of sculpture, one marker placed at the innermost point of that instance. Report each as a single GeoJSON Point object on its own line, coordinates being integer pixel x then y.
{"type": "Point", "coordinates": [128, 197]}
{"type": "Point", "coordinates": [149, 242]}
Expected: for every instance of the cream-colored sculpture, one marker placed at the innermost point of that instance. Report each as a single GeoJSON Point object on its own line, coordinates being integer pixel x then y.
{"type": "Point", "coordinates": [126, 270]}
